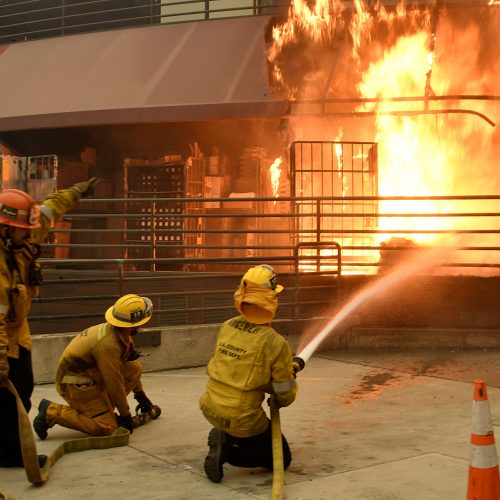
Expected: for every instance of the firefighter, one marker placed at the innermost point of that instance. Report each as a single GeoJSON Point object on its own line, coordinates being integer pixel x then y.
{"type": "Point", "coordinates": [250, 360]}
{"type": "Point", "coordinates": [97, 370]}
{"type": "Point", "coordinates": [24, 224]}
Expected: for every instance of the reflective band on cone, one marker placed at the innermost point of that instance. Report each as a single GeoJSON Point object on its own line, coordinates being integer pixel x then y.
{"type": "Point", "coordinates": [483, 457]}
{"type": "Point", "coordinates": [484, 477]}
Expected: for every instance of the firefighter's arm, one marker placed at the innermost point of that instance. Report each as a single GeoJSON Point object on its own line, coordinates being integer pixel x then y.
{"type": "Point", "coordinates": [283, 378]}
{"type": "Point", "coordinates": [57, 204]}
{"type": "Point", "coordinates": [108, 359]}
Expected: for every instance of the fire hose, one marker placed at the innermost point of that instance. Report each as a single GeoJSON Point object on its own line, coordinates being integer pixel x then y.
{"type": "Point", "coordinates": [278, 466]}
{"type": "Point", "coordinates": [277, 440]}
{"type": "Point", "coordinates": [36, 475]}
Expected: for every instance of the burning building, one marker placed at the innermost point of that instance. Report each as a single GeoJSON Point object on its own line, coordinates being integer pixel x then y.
{"type": "Point", "coordinates": [416, 81]}
{"type": "Point", "coordinates": [351, 102]}
{"type": "Point", "coordinates": [367, 126]}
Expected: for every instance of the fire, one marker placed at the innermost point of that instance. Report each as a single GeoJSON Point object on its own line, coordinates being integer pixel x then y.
{"type": "Point", "coordinates": [419, 156]}
{"type": "Point", "coordinates": [275, 172]}
{"type": "Point", "coordinates": [403, 53]}
{"type": "Point", "coordinates": [340, 162]}
{"type": "Point", "coordinates": [320, 25]}
{"type": "Point", "coordinates": [407, 144]}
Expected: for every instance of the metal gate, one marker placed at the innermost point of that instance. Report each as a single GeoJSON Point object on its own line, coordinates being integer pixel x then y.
{"type": "Point", "coordinates": [340, 170]}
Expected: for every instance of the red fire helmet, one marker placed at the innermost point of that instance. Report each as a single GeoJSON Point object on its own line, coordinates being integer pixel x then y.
{"type": "Point", "coordinates": [18, 209]}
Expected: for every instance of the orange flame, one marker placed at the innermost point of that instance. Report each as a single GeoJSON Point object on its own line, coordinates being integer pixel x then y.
{"type": "Point", "coordinates": [319, 24]}
{"type": "Point", "coordinates": [275, 172]}
{"type": "Point", "coordinates": [419, 154]}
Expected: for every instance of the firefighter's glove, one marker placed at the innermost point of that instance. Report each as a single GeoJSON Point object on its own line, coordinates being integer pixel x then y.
{"type": "Point", "coordinates": [4, 365]}
{"type": "Point", "coordinates": [133, 355]}
{"type": "Point", "coordinates": [125, 422]}
{"type": "Point", "coordinates": [275, 401]}
{"type": "Point", "coordinates": [85, 188]}
{"type": "Point", "coordinates": [145, 404]}
{"type": "Point", "coordinates": [298, 365]}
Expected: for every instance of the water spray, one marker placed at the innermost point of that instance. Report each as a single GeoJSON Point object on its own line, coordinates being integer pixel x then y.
{"type": "Point", "coordinates": [423, 261]}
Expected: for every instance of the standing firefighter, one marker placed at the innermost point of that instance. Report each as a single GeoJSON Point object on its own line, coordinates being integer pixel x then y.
{"type": "Point", "coordinates": [250, 360]}
{"type": "Point", "coordinates": [23, 226]}
{"type": "Point", "coordinates": [97, 370]}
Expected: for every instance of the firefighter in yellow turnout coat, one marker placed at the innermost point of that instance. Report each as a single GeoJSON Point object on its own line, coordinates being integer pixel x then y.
{"type": "Point", "coordinates": [97, 370]}
{"type": "Point", "coordinates": [250, 360]}
{"type": "Point", "coordinates": [24, 224]}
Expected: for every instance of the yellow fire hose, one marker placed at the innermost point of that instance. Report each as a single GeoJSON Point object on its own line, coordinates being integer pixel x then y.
{"type": "Point", "coordinates": [36, 475]}
{"type": "Point", "coordinates": [278, 466]}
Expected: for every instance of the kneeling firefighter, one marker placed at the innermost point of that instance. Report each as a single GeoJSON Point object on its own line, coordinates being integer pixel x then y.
{"type": "Point", "coordinates": [97, 370]}
{"type": "Point", "coordinates": [250, 360]}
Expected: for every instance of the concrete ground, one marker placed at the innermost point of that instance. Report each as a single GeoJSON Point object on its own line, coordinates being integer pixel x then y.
{"type": "Point", "coordinates": [367, 425]}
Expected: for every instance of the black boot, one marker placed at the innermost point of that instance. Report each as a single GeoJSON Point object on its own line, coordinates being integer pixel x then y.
{"type": "Point", "coordinates": [39, 423]}
{"type": "Point", "coordinates": [215, 458]}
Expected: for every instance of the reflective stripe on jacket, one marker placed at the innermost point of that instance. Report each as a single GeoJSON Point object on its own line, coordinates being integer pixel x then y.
{"type": "Point", "coordinates": [249, 360]}
{"type": "Point", "coordinates": [99, 353]}
{"type": "Point", "coordinates": [16, 292]}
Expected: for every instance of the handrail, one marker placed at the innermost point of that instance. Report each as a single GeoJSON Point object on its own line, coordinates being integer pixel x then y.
{"type": "Point", "coordinates": [65, 19]}
{"type": "Point", "coordinates": [191, 277]}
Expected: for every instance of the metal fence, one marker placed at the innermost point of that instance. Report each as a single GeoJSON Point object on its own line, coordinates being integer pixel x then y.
{"type": "Point", "coordinates": [191, 277]}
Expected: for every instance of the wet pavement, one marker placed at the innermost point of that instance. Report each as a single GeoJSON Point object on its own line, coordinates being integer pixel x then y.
{"type": "Point", "coordinates": [464, 365]}
{"type": "Point", "coordinates": [367, 425]}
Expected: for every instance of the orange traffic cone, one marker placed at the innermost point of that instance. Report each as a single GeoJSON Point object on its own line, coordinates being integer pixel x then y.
{"type": "Point", "coordinates": [484, 478]}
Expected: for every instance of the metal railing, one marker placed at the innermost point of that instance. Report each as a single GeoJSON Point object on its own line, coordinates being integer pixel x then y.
{"type": "Point", "coordinates": [191, 271]}
{"type": "Point", "coordinates": [22, 20]}
{"type": "Point", "coordinates": [33, 19]}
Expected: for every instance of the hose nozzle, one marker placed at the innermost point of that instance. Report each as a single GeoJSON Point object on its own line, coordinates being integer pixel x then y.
{"type": "Point", "coordinates": [298, 364]}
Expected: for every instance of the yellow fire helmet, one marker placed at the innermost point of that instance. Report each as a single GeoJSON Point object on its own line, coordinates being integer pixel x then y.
{"type": "Point", "coordinates": [256, 297]}
{"type": "Point", "coordinates": [129, 311]}
{"type": "Point", "coordinates": [264, 276]}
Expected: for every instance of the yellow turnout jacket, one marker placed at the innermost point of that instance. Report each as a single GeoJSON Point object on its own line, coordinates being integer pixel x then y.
{"type": "Point", "coordinates": [97, 355]}
{"type": "Point", "coordinates": [16, 292]}
{"type": "Point", "coordinates": [249, 360]}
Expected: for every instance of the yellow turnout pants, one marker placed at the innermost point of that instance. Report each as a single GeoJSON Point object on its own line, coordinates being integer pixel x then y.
{"type": "Point", "coordinates": [90, 409]}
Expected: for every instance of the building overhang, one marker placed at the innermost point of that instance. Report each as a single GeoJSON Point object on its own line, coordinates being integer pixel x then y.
{"type": "Point", "coordinates": [167, 73]}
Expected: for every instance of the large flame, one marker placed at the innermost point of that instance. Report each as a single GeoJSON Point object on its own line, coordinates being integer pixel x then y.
{"type": "Point", "coordinates": [402, 53]}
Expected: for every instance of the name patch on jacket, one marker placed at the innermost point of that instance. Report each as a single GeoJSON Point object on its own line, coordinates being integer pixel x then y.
{"type": "Point", "coordinates": [243, 326]}
{"type": "Point", "coordinates": [231, 350]}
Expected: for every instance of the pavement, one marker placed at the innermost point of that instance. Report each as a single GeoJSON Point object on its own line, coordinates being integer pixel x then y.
{"type": "Point", "coordinates": [367, 425]}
